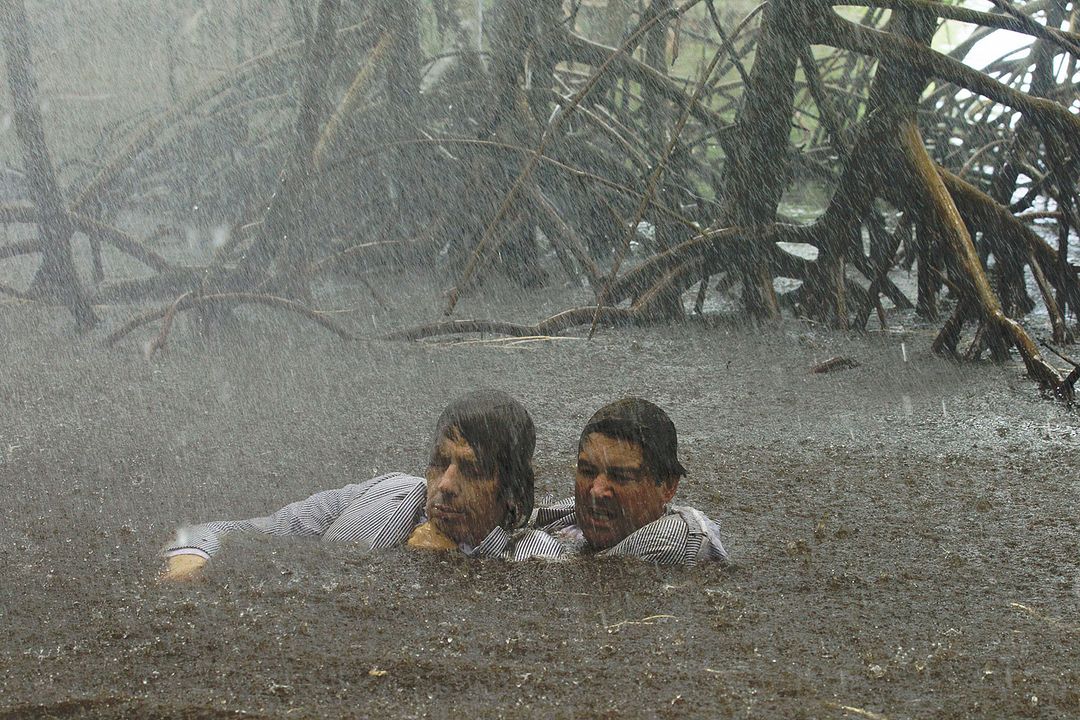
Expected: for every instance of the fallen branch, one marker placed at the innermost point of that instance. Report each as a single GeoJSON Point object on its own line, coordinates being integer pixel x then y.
{"type": "Point", "coordinates": [503, 342]}
{"type": "Point", "coordinates": [975, 287]}
{"type": "Point", "coordinates": [114, 236]}
{"type": "Point", "coordinates": [158, 343]}
{"type": "Point", "coordinates": [650, 620]}
{"type": "Point", "coordinates": [851, 709]}
{"type": "Point", "coordinates": [549, 327]}
{"type": "Point", "coordinates": [1052, 621]}
{"type": "Point", "coordinates": [833, 364]}
{"type": "Point", "coordinates": [241, 298]}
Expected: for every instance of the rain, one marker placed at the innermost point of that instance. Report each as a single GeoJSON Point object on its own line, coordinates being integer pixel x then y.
{"type": "Point", "coordinates": [257, 251]}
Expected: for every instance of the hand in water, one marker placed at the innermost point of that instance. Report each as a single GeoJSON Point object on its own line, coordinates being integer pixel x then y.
{"type": "Point", "coordinates": [428, 537]}
{"type": "Point", "coordinates": [183, 567]}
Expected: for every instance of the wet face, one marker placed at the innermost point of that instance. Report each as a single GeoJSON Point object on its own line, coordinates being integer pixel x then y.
{"type": "Point", "coordinates": [462, 501]}
{"type": "Point", "coordinates": [614, 492]}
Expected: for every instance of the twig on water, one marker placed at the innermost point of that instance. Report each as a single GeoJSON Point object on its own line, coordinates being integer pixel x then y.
{"type": "Point", "coordinates": [861, 712]}
{"type": "Point", "coordinates": [550, 326]}
{"type": "Point", "coordinates": [650, 620]}
{"type": "Point", "coordinates": [514, 341]}
{"type": "Point", "coordinates": [1053, 622]}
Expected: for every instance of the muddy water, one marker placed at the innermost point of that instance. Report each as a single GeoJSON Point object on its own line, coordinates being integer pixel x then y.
{"type": "Point", "coordinates": [904, 532]}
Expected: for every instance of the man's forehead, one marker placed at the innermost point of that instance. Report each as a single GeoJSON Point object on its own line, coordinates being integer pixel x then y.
{"type": "Point", "coordinates": [457, 445]}
{"type": "Point", "coordinates": [611, 451]}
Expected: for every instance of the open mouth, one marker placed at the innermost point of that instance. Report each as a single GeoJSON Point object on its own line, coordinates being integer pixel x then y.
{"type": "Point", "coordinates": [447, 511]}
{"type": "Point", "coordinates": [605, 516]}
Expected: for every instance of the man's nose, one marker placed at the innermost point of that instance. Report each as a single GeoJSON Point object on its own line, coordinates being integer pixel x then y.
{"type": "Point", "coordinates": [601, 487]}
{"type": "Point", "coordinates": [450, 480]}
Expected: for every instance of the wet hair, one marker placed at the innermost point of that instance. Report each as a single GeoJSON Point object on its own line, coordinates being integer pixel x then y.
{"type": "Point", "coordinates": [643, 423]}
{"type": "Point", "coordinates": [500, 431]}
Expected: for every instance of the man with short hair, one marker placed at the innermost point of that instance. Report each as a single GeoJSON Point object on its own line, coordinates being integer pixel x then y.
{"type": "Point", "coordinates": [627, 473]}
{"type": "Point", "coordinates": [476, 493]}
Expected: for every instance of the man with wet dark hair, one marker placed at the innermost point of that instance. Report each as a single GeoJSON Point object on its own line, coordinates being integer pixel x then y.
{"type": "Point", "coordinates": [627, 473]}
{"type": "Point", "coordinates": [475, 496]}
{"type": "Point", "coordinates": [501, 434]}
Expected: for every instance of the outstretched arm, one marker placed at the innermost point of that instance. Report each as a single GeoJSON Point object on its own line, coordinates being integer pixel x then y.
{"type": "Point", "coordinates": [194, 545]}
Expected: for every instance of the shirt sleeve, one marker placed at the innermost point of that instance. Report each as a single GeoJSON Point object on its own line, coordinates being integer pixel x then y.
{"type": "Point", "coordinates": [716, 547]}
{"type": "Point", "coordinates": [305, 518]}
{"type": "Point", "coordinates": [704, 542]}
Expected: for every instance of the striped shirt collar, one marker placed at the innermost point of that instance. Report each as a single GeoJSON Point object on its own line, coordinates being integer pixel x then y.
{"type": "Point", "coordinates": [494, 545]}
{"type": "Point", "coordinates": [682, 535]}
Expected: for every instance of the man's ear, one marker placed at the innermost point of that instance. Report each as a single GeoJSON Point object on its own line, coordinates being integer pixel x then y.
{"type": "Point", "coordinates": [513, 514]}
{"type": "Point", "coordinates": [669, 487]}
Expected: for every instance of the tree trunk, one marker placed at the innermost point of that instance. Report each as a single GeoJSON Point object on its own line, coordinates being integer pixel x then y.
{"type": "Point", "coordinates": [403, 167]}
{"type": "Point", "coordinates": [56, 277]}
{"type": "Point", "coordinates": [757, 168]}
{"type": "Point", "coordinates": [285, 245]}
{"type": "Point", "coordinates": [1009, 259]}
{"type": "Point", "coordinates": [868, 172]}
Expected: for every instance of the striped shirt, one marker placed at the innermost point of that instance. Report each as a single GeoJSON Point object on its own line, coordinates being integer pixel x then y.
{"type": "Point", "coordinates": [682, 536]}
{"type": "Point", "coordinates": [377, 514]}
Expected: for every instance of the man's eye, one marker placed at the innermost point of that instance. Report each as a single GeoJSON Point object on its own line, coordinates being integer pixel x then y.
{"type": "Point", "coordinates": [586, 471]}
{"type": "Point", "coordinates": [469, 470]}
{"type": "Point", "coordinates": [438, 462]}
{"type": "Point", "coordinates": [623, 478]}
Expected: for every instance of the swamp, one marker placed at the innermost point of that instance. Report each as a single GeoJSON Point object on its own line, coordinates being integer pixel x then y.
{"type": "Point", "coordinates": [251, 248]}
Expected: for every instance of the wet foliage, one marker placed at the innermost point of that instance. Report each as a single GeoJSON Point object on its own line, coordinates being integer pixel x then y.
{"type": "Point", "coordinates": [651, 150]}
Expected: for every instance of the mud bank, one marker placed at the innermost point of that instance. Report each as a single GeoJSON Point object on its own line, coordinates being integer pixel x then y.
{"type": "Point", "coordinates": [905, 533]}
